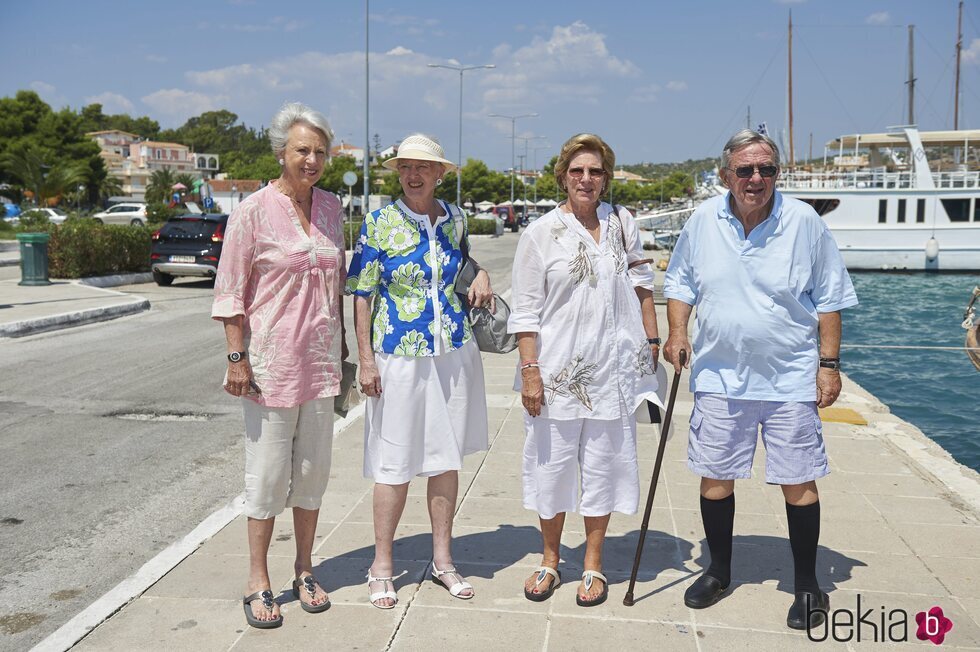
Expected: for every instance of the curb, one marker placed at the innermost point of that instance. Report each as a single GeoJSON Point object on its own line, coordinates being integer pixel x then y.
{"type": "Point", "coordinates": [69, 319]}
{"type": "Point", "coordinates": [9, 262]}
{"type": "Point", "coordinates": [113, 280]}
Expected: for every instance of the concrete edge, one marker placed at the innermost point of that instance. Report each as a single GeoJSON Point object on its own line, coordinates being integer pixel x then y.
{"type": "Point", "coordinates": [83, 623]}
{"type": "Point", "coordinates": [70, 319]}
{"type": "Point", "coordinates": [925, 454]}
{"type": "Point", "coordinates": [113, 280]}
{"type": "Point", "coordinates": [9, 262]}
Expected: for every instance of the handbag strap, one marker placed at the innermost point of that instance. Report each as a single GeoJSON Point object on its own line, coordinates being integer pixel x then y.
{"type": "Point", "coordinates": [622, 234]}
{"type": "Point", "coordinates": [460, 229]}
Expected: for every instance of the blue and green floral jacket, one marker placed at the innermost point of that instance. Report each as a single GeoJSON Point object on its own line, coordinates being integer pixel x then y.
{"type": "Point", "coordinates": [413, 276]}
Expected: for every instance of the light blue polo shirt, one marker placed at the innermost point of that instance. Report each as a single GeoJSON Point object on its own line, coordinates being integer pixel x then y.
{"type": "Point", "coordinates": [757, 298]}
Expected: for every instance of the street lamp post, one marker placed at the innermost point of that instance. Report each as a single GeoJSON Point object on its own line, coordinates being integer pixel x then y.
{"type": "Point", "coordinates": [513, 137]}
{"type": "Point", "coordinates": [536, 176]}
{"type": "Point", "coordinates": [234, 191]}
{"type": "Point", "coordinates": [523, 164]}
{"type": "Point", "coordinates": [459, 169]}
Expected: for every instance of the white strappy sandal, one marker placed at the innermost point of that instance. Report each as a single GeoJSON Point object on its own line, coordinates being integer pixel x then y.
{"type": "Point", "coordinates": [542, 574]}
{"type": "Point", "coordinates": [380, 595]}
{"type": "Point", "coordinates": [457, 588]}
{"type": "Point", "coordinates": [588, 577]}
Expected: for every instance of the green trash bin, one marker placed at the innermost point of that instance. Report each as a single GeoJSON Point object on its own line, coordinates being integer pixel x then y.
{"type": "Point", "coordinates": [33, 258]}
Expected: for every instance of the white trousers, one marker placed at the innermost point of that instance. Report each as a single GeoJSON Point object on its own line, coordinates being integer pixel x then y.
{"type": "Point", "coordinates": [287, 456]}
{"type": "Point", "coordinates": [589, 457]}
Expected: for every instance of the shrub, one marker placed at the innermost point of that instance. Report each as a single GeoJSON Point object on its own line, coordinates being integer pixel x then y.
{"type": "Point", "coordinates": [80, 248]}
{"type": "Point", "coordinates": [481, 227]}
{"type": "Point", "coordinates": [158, 213]}
{"type": "Point", "coordinates": [33, 221]}
{"type": "Point", "coordinates": [352, 231]}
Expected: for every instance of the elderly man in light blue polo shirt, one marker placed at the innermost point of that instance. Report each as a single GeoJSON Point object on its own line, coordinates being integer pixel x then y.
{"type": "Point", "coordinates": [769, 284]}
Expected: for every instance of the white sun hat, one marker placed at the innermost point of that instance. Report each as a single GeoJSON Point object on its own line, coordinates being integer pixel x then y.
{"type": "Point", "coordinates": [420, 148]}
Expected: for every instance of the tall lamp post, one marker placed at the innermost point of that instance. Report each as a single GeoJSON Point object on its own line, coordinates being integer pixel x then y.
{"type": "Point", "coordinates": [513, 137]}
{"type": "Point", "coordinates": [536, 175]}
{"type": "Point", "coordinates": [459, 170]}
{"type": "Point", "coordinates": [524, 164]}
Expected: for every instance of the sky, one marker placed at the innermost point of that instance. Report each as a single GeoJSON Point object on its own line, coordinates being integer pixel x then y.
{"type": "Point", "coordinates": [659, 81]}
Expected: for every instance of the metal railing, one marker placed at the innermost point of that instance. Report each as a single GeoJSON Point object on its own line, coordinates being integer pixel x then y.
{"type": "Point", "coordinates": [878, 178]}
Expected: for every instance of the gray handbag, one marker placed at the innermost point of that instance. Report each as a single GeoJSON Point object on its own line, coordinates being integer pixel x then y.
{"type": "Point", "coordinates": [489, 328]}
{"type": "Point", "coordinates": [349, 396]}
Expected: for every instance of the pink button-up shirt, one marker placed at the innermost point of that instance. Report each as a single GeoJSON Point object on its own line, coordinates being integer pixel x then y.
{"type": "Point", "coordinates": [289, 286]}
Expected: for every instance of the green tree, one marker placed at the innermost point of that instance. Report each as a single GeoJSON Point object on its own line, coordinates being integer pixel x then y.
{"type": "Point", "coordinates": [45, 182]}
{"type": "Point", "coordinates": [238, 165]}
{"type": "Point", "coordinates": [160, 186]}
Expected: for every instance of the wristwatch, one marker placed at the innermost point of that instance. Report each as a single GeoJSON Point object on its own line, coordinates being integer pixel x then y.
{"type": "Point", "coordinates": [237, 356]}
{"type": "Point", "coordinates": [653, 340]}
{"type": "Point", "coordinates": [830, 363]}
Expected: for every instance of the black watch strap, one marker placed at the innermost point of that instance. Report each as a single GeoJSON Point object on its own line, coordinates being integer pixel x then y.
{"type": "Point", "coordinates": [653, 340]}
{"type": "Point", "coordinates": [237, 356]}
{"type": "Point", "coordinates": [830, 363]}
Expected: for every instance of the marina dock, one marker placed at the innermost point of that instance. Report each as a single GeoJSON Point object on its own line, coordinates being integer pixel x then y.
{"type": "Point", "coordinates": [899, 536]}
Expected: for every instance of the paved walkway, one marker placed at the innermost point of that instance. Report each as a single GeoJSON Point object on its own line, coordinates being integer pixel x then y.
{"type": "Point", "coordinates": [900, 534]}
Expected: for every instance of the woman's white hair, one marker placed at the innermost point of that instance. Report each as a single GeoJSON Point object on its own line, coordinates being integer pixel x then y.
{"type": "Point", "coordinates": [292, 113]}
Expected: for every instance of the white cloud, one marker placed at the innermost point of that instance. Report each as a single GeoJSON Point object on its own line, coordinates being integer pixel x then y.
{"type": "Point", "coordinates": [399, 51]}
{"type": "Point", "coordinates": [43, 88]}
{"type": "Point", "coordinates": [645, 94]}
{"type": "Point", "coordinates": [972, 54]}
{"type": "Point", "coordinates": [111, 103]}
{"type": "Point", "coordinates": [677, 86]}
{"type": "Point", "coordinates": [878, 18]}
{"type": "Point", "coordinates": [176, 105]}
{"type": "Point", "coordinates": [569, 65]}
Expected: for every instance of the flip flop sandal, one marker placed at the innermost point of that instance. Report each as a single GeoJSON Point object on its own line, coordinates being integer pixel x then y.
{"type": "Point", "coordinates": [457, 588]}
{"type": "Point", "coordinates": [378, 595]}
{"type": "Point", "coordinates": [588, 576]}
{"type": "Point", "coordinates": [543, 573]}
{"type": "Point", "coordinates": [309, 583]}
{"type": "Point", "coordinates": [268, 603]}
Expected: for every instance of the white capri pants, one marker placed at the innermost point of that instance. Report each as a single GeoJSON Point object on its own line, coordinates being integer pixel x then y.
{"type": "Point", "coordinates": [592, 456]}
{"type": "Point", "coordinates": [287, 456]}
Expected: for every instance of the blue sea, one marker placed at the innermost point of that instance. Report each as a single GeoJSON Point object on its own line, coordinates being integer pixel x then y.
{"type": "Point", "coordinates": [937, 391]}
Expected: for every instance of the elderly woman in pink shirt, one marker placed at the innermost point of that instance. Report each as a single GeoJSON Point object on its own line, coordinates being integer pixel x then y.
{"type": "Point", "coordinates": [279, 294]}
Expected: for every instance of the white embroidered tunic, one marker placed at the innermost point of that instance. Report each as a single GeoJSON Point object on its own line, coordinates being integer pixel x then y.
{"type": "Point", "coordinates": [579, 297]}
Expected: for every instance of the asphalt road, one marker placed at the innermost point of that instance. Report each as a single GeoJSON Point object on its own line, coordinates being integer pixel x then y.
{"type": "Point", "coordinates": [115, 441]}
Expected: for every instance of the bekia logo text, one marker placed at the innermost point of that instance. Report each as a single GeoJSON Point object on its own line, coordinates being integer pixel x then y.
{"type": "Point", "coordinates": [878, 625]}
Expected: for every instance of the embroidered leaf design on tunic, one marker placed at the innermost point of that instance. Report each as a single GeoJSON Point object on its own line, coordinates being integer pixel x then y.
{"type": "Point", "coordinates": [616, 243]}
{"type": "Point", "coordinates": [574, 379]}
{"type": "Point", "coordinates": [643, 363]}
{"type": "Point", "coordinates": [581, 266]}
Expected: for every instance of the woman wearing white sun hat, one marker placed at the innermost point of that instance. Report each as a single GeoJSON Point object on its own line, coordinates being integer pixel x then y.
{"type": "Point", "coordinates": [420, 367]}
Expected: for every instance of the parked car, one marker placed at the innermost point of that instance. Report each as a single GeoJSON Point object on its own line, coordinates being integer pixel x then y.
{"type": "Point", "coordinates": [54, 215]}
{"type": "Point", "coordinates": [134, 214]}
{"type": "Point", "coordinates": [187, 245]}
{"type": "Point", "coordinates": [509, 216]}
{"type": "Point", "coordinates": [533, 215]}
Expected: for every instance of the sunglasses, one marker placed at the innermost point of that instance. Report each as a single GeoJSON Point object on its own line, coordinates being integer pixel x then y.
{"type": "Point", "coordinates": [578, 173]}
{"type": "Point", "coordinates": [746, 171]}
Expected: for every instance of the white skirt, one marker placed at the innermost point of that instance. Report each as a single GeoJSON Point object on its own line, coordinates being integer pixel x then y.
{"type": "Point", "coordinates": [431, 413]}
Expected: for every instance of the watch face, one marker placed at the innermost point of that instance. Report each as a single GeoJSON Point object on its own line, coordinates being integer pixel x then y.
{"type": "Point", "coordinates": [235, 356]}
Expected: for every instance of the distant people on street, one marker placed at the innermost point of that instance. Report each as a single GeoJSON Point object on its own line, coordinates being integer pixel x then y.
{"type": "Point", "coordinates": [419, 363]}
{"type": "Point", "coordinates": [769, 283]}
{"type": "Point", "coordinates": [279, 293]}
{"type": "Point", "coordinates": [587, 335]}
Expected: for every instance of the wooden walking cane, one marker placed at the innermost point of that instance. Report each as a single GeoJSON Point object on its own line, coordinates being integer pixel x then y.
{"type": "Point", "coordinates": [682, 356]}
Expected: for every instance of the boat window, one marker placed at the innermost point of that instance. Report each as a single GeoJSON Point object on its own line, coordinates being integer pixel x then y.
{"type": "Point", "coordinates": [901, 210]}
{"type": "Point", "coordinates": [821, 205]}
{"type": "Point", "coordinates": [920, 210]}
{"type": "Point", "coordinates": [957, 209]}
{"type": "Point", "coordinates": [976, 210]}
{"type": "Point", "coordinates": [882, 210]}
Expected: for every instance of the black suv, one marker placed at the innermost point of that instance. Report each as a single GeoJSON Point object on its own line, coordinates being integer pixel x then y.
{"type": "Point", "coordinates": [187, 245]}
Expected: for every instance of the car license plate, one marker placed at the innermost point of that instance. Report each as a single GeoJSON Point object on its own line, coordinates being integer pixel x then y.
{"type": "Point", "coordinates": [182, 259]}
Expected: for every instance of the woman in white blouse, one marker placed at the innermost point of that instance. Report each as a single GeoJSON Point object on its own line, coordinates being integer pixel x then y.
{"type": "Point", "coordinates": [587, 335]}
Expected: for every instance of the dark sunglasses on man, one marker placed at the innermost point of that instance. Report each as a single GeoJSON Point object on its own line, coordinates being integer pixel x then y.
{"type": "Point", "coordinates": [746, 171]}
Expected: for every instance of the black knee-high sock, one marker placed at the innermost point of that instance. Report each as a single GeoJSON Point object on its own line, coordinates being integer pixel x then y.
{"type": "Point", "coordinates": [804, 533]}
{"type": "Point", "coordinates": [718, 517]}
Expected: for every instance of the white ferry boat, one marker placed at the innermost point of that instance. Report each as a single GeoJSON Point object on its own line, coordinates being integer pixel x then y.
{"type": "Point", "coordinates": [888, 209]}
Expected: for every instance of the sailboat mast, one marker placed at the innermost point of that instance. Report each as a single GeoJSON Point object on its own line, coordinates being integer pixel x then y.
{"type": "Point", "coordinates": [959, 48]}
{"type": "Point", "coordinates": [911, 81]}
{"type": "Point", "coordinates": [792, 152]}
